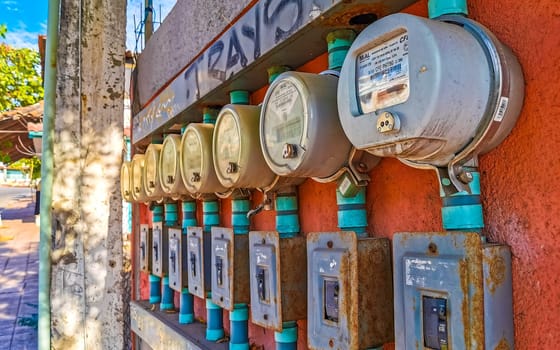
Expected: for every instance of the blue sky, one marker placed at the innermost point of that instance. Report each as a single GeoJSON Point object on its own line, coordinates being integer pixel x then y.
{"type": "Point", "coordinates": [28, 18]}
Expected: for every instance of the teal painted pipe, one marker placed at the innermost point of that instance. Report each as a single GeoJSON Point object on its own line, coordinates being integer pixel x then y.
{"type": "Point", "coordinates": [47, 168]}
{"type": "Point", "coordinates": [215, 322]}
{"type": "Point", "coordinates": [155, 295]}
{"type": "Point", "coordinates": [274, 71]}
{"type": "Point", "coordinates": [438, 8]}
{"type": "Point", "coordinates": [338, 43]}
{"type": "Point", "coordinates": [287, 220]}
{"type": "Point", "coordinates": [352, 214]}
{"type": "Point", "coordinates": [239, 97]}
{"type": "Point", "coordinates": [238, 318]}
{"type": "Point", "coordinates": [239, 219]}
{"type": "Point", "coordinates": [186, 302]}
{"type": "Point", "coordinates": [210, 214]}
{"type": "Point", "coordinates": [171, 214]}
{"type": "Point", "coordinates": [167, 297]}
{"type": "Point", "coordinates": [463, 211]}
{"type": "Point", "coordinates": [155, 281]}
{"type": "Point", "coordinates": [287, 339]}
{"type": "Point", "coordinates": [209, 115]}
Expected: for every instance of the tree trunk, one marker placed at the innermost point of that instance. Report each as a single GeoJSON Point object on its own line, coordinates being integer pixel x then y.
{"type": "Point", "coordinates": [89, 277]}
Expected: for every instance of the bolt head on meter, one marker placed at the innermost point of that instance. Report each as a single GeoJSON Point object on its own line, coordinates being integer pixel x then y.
{"type": "Point", "coordinates": [197, 165]}
{"type": "Point", "coordinates": [435, 79]}
{"type": "Point", "coordinates": [171, 180]}
{"type": "Point", "coordinates": [300, 131]}
{"type": "Point", "coordinates": [151, 173]}
{"type": "Point", "coordinates": [126, 188]}
{"type": "Point", "coordinates": [238, 158]}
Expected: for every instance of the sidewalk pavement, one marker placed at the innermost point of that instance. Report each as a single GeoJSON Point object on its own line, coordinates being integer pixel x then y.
{"type": "Point", "coordinates": [19, 283]}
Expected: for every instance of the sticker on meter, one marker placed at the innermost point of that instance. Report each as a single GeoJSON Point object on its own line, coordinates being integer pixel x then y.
{"type": "Point", "coordinates": [383, 74]}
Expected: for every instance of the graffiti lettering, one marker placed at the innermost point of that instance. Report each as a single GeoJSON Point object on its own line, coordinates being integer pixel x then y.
{"type": "Point", "coordinates": [272, 18]}
{"type": "Point", "coordinates": [216, 51]}
{"type": "Point", "coordinates": [254, 33]}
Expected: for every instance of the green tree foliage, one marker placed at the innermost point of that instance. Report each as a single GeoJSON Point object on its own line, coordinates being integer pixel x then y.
{"type": "Point", "coordinates": [3, 30]}
{"type": "Point", "coordinates": [28, 166]}
{"type": "Point", "coordinates": [20, 80]}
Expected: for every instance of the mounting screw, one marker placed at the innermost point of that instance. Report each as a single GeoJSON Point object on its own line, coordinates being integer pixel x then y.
{"type": "Point", "coordinates": [465, 177]}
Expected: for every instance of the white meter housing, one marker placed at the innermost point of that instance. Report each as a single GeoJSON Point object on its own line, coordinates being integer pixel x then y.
{"type": "Point", "coordinates": [238, 158]}
{"type": "Point", "coordinates": [136, 178]}
{"type": "Point", "coordinates": [427, 91]}
{"type": "Point", "coordinates": [126, 189]}
{"type": "Point", "coordinates": [197, 166]}
{"type": "Point", "coordinates": [151, 180]}
{"type": "Point", "coordinates": [169, 168]}
{"type": "Point", "coordinates": [300, 129]}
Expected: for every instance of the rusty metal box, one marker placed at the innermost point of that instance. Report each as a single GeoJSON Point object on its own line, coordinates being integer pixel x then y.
{"type": "Point", "coordinates": [145, 248]}
{"type": "Point", "coordinates": [230, 268]}
{"type": "Point", "coordinates": [350, 291]}
{"type": "Point", "coordinates": [452, 291]}
{"type": "Point", "coordinates": [278, 279]}
{"type": "Point", "coordinates": [160, 250]}
{"type": "Point", "coordinates": [199, 259]}
{"type": "Point", "coordinates": [177, 260]}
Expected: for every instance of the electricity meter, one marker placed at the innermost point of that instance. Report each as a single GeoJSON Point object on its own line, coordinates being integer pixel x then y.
{"type": "Point", "coordinates": [197, 166]}
{"type": "Point", "coordinates": [151, 173]}
{"type": "Point", "coordinates": [126, 189]}
{"type": "Point", "coordinates": [238, 159]}
{"type": "Point", "coordinates": [300, 130]}
{"type": "Point", "coordinates": [170, 172]}
{"type": "Point", "coordinates": [429, 92]}
{"type": "Point", "coordinates": [136, 176]}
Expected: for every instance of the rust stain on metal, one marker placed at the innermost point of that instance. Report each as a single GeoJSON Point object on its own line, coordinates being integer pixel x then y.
{"type": "Point", "coordinates": [503, 345]}
{"type": "Point", "coordinates": [496, 272]}
{"type": "Point", "coordinates": [292, 264]}
{"type": "Point", "coordinates": [344, 17]}
{"type": "Point", "coordinates": [472, 285]}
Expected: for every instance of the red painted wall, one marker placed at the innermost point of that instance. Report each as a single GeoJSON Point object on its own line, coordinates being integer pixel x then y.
{"type": "Point", "coordinates": [520, 196]}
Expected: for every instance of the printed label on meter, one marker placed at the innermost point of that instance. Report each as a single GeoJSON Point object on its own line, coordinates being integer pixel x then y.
{"type": "Point", "coordinates": [285, 113]}
{"type": "Point", "coordinates": [383, 74]}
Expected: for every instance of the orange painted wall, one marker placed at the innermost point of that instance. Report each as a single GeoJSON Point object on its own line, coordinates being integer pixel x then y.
{"type": "Point", "coordinates": [520, 196]}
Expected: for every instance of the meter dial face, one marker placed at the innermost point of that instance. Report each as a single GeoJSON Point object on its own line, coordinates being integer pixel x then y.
{"type": "Point", "coordinates": [168, 163]}
{"type": "Point", "coordinates": [150, 170]}
{"type": "Point", "coordinates": [192, 160]}
{"type": "Point", "coordinates": [137, 186]}
{"type": "Point", "coordinates": [125, 182]}
{"type": "Point", "coordinates": [228, 148]}
{"type": "Point", "coordinates": [284, 125]}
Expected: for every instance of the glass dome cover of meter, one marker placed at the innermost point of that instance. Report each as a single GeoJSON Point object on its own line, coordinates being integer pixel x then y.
{"type": "Point", "coordinates": [228, 147]}
{"type": "Point", "coordinates": [151, 174]}
{"type": "Point", "coordinates": [431, 77]}
{"type": "Point", "coordinates": [126, 184]}
{"type": "Point", "coordinates": [170, 176]}
{"type": "Point", "coordinates": [192, 160]}
{"type": "Point", "coordinates": [136, 176]}
{"type": "Point", "coordinates": [284, 124]}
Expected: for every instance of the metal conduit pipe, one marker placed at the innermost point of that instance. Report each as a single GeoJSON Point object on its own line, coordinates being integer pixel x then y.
{"type": "Point", "coordinates": [44, 322]}
{"type": "Point", "coordinates": [463, 211]}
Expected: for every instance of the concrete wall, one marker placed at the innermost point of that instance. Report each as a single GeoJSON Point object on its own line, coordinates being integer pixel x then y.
{"type": "Point", "coordinates": [188, 28]}
{"type": "Point", "coordinates": [520, 197]}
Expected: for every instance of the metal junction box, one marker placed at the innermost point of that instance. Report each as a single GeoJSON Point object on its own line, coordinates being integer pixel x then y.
{"type": "Point", "coordinates": [198, 261]}
{"type": "Point", "coordinates": [160, 250]}
{"type": "Point", "coordinates": [145, 251]}
{"type": "Point", "coordinates": [452, 292]}
{"type": "Point", "coordinates": [177, 262]}
{"type": "Point", "coordinates": [278, 279]}
{"type": "Point", "coordinates": [350, 294]}
{"type": "Point", "coordinates": [230, 268]}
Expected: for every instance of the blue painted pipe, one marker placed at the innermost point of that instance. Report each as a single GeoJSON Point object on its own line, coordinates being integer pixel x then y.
{"type": "Point", "coordinates": [155, 294]}
{"type": "Point", "coordinates": [239, 328]}
{"type": "Point", "coordinates": [215, 322]}
{"type": "Point", "coordinates": [438, 8]}
{"type": "Point", "coordinates": [209, 115]}
{"type": "Point", "coordinates": [210, 214]}
{"type": "Point", "coordinates": [287, 220]}
{"type": "Point", "coordinates": [167, 295]}
{"type": "Point", "coordinates": [239, 219]}
{"type": "Point", "coordinates": [352, 215]}
{"type": "Point", "coordinates": [171, 214]}
{"type": "Point", "coordinates": [186, 302]}
{"type": "Point", "coordinates": [287, 339]}
{"type": "Point", "coordinates": [186, 308]}
{"type": "Point", "coordinates": [155, 281]}
{"type": "Point", "coordinates": [338, 43]}
{"type": "Point", "coordinates": [239, 97]}
{"type": "Point", "coordinates": [463, 211]}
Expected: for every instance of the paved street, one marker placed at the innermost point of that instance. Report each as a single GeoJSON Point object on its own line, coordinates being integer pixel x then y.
{"type": "Point", "coordinates": [19, 264]}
